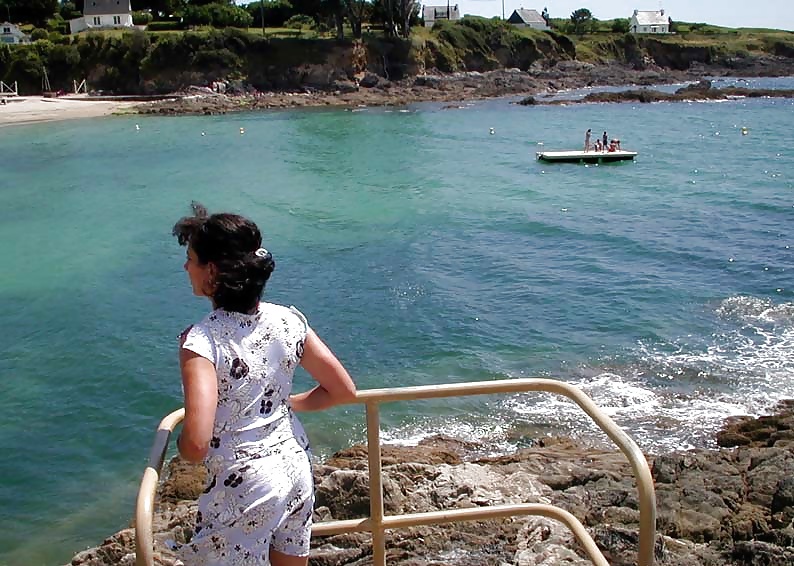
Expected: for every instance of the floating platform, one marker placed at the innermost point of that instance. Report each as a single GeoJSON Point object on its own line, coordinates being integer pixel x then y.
{"type": "Point", "coordinates": [585, 156]}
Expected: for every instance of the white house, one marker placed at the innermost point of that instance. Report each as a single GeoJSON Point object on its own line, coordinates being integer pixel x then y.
{"type": "Point", "coordinates": [522, 18]}
{"type": "Point", "coordinates": [649, 22]}
{"type": "Point", "coordinates": [103, 14]}
{"type": "Point", "coordinates": [433, 13]}
{"type": "Point", "coordinates": [10, 33]}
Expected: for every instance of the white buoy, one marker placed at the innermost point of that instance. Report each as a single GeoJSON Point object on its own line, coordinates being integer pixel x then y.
{"type": "Point", "coordinates": [744, 131]}
{"type": "Point", "coordinates": [203, 134]}
{"type": "Point", "coordinates": [491, 131]}
{"type": "Point", "coordinates": [242, 131]}
{"type": "Point", "coordinates": [137, 127]}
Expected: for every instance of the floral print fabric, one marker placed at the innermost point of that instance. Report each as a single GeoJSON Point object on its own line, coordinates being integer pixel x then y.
{"type": "Point", "coordinates": [260, 493]}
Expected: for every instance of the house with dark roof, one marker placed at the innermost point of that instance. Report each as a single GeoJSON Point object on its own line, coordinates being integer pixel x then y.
{"type": "Point", "coordinates": [103, 14]}
{"type": "Point", "coordinates": [527, 19]}
{"type": "Point", "coordinates": [649, 22]}
{"type": "Point", "coordinates": [431, 14]}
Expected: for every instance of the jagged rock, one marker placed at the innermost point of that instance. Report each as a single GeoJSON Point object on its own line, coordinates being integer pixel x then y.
{"type": "Point", "coordinates": [344, 86]}
{"type": "Point", "coordinates": [369, 80]}
{"type": "Point", "coordinates": [725, 507]}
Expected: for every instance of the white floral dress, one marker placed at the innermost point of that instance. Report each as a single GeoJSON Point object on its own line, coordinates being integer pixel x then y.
{"type": "Point", "coordinates": [260, 493]}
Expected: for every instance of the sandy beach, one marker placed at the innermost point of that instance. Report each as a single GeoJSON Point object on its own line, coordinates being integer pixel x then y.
{"type": "Point", "coordinates": [31, 109]}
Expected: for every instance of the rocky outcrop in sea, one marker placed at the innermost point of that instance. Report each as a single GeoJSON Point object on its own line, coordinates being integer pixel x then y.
{"type": "Point", "coordinates": [730, 506]}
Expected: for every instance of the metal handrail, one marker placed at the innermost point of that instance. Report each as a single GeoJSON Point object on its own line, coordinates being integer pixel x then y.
{"type": "Point", "coordinates": [377, 523]}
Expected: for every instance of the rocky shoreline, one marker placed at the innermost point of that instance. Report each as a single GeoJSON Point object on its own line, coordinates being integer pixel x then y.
{"type": "Point", "coordinates": [733, 506]}
{"type": "Point", "coordinates": [369, 89]}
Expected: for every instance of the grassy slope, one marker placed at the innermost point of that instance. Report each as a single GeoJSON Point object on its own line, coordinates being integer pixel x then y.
{"type": "Point", "coordinates": [721, 42]}
{"type": "Point", "coordinates": [158, 61]}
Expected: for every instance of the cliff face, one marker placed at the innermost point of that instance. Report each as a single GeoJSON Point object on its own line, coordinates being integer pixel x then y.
{"type": "Point", "coordinates": [141, 63]}
{"type": "Point", "coordinates": [676, 56]}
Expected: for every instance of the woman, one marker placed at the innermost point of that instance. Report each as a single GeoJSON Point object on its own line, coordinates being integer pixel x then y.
{"type": "Point", "coordinates": [237, 366]}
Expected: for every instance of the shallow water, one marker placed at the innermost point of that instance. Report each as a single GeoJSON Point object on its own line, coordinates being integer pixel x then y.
{"type": "Point", "coordinates": [424, 249]}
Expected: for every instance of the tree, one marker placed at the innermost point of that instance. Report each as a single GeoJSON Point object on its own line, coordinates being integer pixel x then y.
{"type": "Point", "coordinates": [275, 12]}
{"type": "Point", "coordinates": [205, 2]}
{"type": "Point", "coordinates": [35, 12]}
{"type": "Point", "coordinates": [356, 10]}
{"type": "Point", "coordinates": [336, 10]}
{"type": "Point", "coordinates": [621, 25]}
{"type": "Point", "coordinates": [68, 11]}
{"type": "Point", "coordinates": [167, 7]}
{"type": "Point", "coordinates": [581, 20]}
{"type": "Point", "coordinates": [396, 15]}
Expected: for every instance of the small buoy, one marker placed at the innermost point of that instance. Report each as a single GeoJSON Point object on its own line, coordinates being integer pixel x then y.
{"type": "Point", "coordinates": [137, 127]}
{"type": "Point", "coordinates": [203, 134]}
{"type": "Point", "coordinates": [491, 131]}
{"type": "Point", "coordinates": [242, 131]}
{"type": "Point", "coordinates": [744, 131]}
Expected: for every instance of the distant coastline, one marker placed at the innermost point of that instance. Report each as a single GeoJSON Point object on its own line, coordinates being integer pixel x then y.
{"type": "Point", "coordinates": [454, 89]}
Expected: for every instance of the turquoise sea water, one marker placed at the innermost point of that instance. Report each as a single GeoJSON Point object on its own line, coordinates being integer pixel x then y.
{"type": "Point", "coordinates": [422, 248]}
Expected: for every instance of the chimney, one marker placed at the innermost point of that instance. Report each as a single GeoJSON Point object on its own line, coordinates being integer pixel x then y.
{"type": "Point", "coordinates": [663, 11]}
{"type": "Point", "coordinates": [636, 12]}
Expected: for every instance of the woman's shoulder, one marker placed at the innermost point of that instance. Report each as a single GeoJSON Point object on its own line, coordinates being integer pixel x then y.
{"type": "Point", "coordinates": [275, 311]}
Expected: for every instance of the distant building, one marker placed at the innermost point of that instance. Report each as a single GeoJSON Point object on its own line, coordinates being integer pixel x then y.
{"type": "Point", "coordinates": [433, 13]}
{"type": "Point", "coordinates": [103, 14]}
{"type": "Point", "coordinates": [527, 19]}
{"type": "Point", "coordinates": [10, 33]}
{"type": "Point", "coordinates": [649, 22]}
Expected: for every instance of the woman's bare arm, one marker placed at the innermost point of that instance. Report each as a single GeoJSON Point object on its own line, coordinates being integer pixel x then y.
{"type": "Point", "coordinates": [335, 385]}
{"type": "Point", "coordinates": [200, 384]}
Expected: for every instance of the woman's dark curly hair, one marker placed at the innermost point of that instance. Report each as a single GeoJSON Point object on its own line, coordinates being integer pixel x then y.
{"type": "Point", "coordinates": [229, 241]}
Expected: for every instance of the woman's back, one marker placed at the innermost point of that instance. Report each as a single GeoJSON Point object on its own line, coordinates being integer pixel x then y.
{"type": "Point", "coordinates": [255, 357]}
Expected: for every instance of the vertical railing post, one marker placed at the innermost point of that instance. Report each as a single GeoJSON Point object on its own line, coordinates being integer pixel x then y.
{"type": "Point", "coordinates": [375, 485]}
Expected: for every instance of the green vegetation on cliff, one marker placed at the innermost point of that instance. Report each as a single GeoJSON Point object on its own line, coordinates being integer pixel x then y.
{"type": "Point", "coordinates": [158, 62]}
{"type": "Point", "coordinates": [719, 46]}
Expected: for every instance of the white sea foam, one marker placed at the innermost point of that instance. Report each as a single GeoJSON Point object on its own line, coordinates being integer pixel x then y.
{"type": "Point", "coordinates": [410, 434]}
{"type": "Point", "coordinates": [672, 396]}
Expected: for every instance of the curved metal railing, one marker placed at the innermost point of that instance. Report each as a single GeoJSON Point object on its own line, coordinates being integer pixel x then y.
{"type": "Point", "coordinates": [377, 524]}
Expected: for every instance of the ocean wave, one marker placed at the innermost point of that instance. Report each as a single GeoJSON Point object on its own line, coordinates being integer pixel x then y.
{"type": "Point", "coordinates": [668, 395]}
{"type": "Point", "coordinates": [756, 310]}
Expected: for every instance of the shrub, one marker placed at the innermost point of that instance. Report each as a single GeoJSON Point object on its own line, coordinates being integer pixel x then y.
{"type": "Point", "coordinates": [38, 34]}
{"type": "Point", "coordinates": [164, 26]}
{"type": "Point", "coordinates": [58, 24]}
{"type": "Point", "coordinates": [141, 18]}
{"type": "Point", "coordinates": [621, 25]}
{"type": "Point", "coordinates": [197, 16]}
{"type": "Point", "coordinates": [229, 16]}
{"type": "Point", "coordinates": [300, 21]}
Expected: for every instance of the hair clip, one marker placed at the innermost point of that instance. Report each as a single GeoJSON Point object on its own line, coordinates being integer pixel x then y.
{"type": "Point", "coordinates": [262, 252]}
